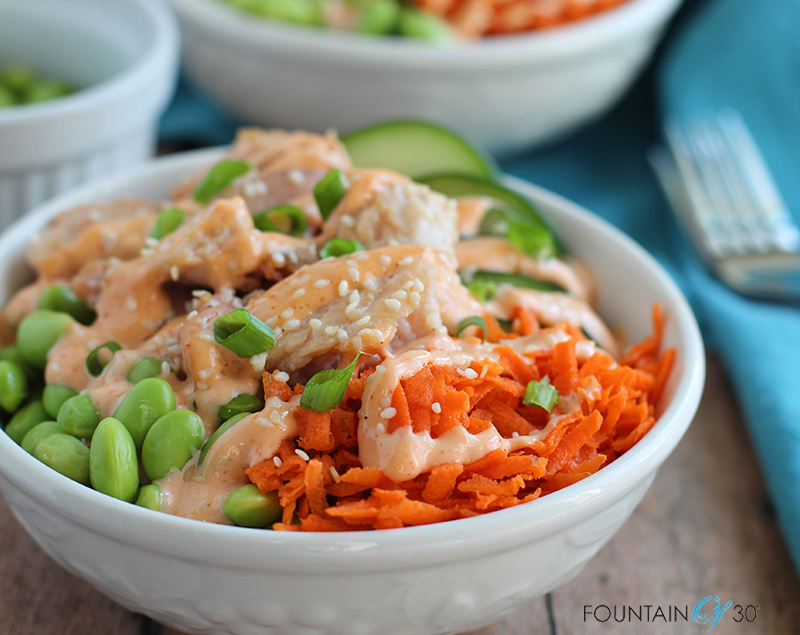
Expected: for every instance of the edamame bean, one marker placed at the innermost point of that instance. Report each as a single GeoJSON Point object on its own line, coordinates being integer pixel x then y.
{"type": "Point", "coordinates": [422, 25]}
{"type": "Point", "coordinates": [38, 433]}
{"type": "Point", "coordinates": [148, 401]}
{"type": "Point", "coordinates": [217, 434]}
{"type": "Point", "coordinates": [13, 354]}
{"type": "Point", "coordinates": [59, 297]}
{"type": "Point", "coordinates": [54, 397]}
{"type": "Point", "coordinates": [25, 419]}
{"type": "Point", "coordinates": [171, 442]}
{"type": "Point", "coordinates": [151, 497]}
{"type": "Point", "coordinates": [13, 386]}
{"type": "Point", "coordinates": [78, 416]}
{"type": "Point", "coordinates": [66, 455]}
{"type": "Point", "coordinates": [113, 464]}
{"type": "Point", "coordinates": [379, 17]}
{"type": "Point", "coordinates": [144, 368]}
{"type": "Point", "coordinates": [296, 11]}
{"type": "Point", "coordinates": [38, 332]}
{"type": "Point", "coordinates": [249, 507]}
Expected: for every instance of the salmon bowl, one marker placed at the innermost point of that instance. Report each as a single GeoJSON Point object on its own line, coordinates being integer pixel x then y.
{"type": "Point", "coordinates": [507, 93]}
{"type": "Point", "coordinates": [458, 573]}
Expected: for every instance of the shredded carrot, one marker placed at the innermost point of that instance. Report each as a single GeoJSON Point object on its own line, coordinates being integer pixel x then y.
{"type": "Point", "coordinates": [608, 407]}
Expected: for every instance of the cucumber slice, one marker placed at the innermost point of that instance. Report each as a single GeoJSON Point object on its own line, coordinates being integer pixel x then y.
{"type": "Point", "coordinates": [416, 149]}
{"type": "Point", "coordinates": [456, 185]}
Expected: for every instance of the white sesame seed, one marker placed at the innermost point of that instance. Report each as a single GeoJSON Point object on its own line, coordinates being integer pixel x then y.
{"type": "Point", "coordinates": [259, 361]}
{"type": "Point", "coordinates": [174, 273]}
{"type": "Point", "coordinates": [296, 177]}
{"type": "Point", "coordinates": [334, 473]}
{"type": "Point", "coordinates": [385, 261]}
{"type": "Point", "coordinates": [281, 376]}
{"type": "Point", "coordinates": [291, 325]}
{"type": "Point", "coordinates": [275, 417]}
{"type": "Point", "coordinates": [263, 422]}
{"type": "Point", "coordinates": [388, 413]}
{"type": "Point", "coordinates": [279, 259]}
{"type": "Point", "coordinates": [364, 321]}
{"type": "Point", "coordinates": [392, 303]}
{"type": "Point", "coordinates": [469, 373]}
{"type": "Point", "coordinates": [355, 296]}
{"type": "Point", "coordinates": [174, 349]}
{"type": "Point", "coordinates": [131, 304]}
{"type": "Point", "coordinates": [287, 313]}
{"type": "Point", "coordinates": [351, 308]}
{"type": "Point", "coordinates": [408, 285]}
{"type": "Point", "coordinates": [343, 288]}
{"type": "Point", "coordinates": [278, 331]}
{"type": "Point", "coordinates": [353, 273]}
{"type": "Point", "coordinates": [461, 372]}
{"type": "Point", "coordinates": [207, 337]}
{"type": "Point", "coordinates": [419, 285]}
{"type": "Point", "coordinates": [277, 461]}
{"type": "Point", "coordinates": [321, 283]}
{"type": "Point", "coordinates": [515, 434]}
{"type": "Point", "coordinates": [302, 454]}
{"type": "Point", "coordinates": [436, 407]}
{"type": "Point", "coordinates": [227, 295]}
{"type": "Point", "coordinates": [192, 315]}
{"type": "Point", "coordinates": [150, 241]}
{"type": "Point", "coordinates": [299, 293]}
{"type": "Point", "coordinates": [370, 285]}
{"type": "Point", "coordinates": [406, 261]}
{"type": "Point", "coordinates": [432, 320]}
{"type": "Point", "coordinates": [271, 321]}
{"type": "Point", "coordinates": [274, 402]}
{"type": "Point", "coordinates": [484, 370]}
{"type": "Point", "coordinates": [414, 298]}
{"type": "Point", "coordinates": [347, 221]}
{"type": "Point", "coordinates": [381, 428]}
{"type": "Point", "coordinates": [165, 369]}
{"type": "Point", "coordinates": [365, 332]}
{"type": "Point", "coordinates": [331, 330]}
{"type": "Point", "coordinates": [361, 255]}
{"type": "Point", "coordinates": [314, 323]}
{"type": "Point", "coordinates": [292, 255]}
{"type": "Point", "coordinates": [342, 334]}
{"type": "Point", "coordinates": [400, 295]}
{"type": "Point", "coordinates": [202, 385]}
{"type": "Point", "coordinates": [205, 373]}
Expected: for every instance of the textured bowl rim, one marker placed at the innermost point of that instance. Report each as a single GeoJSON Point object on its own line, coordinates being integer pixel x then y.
{"type": "Point", "coordinates": [570, 40]}
{"type": "Point", "coordinates": [377, 550]}
{"type": "Point", "coordinates": [129, 81]}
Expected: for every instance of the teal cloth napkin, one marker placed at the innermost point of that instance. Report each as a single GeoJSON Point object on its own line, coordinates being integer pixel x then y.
{"type": "Point", "coordinates": [718, 53]}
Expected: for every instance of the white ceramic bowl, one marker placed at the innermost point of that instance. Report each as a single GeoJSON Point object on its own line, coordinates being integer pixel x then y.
{"type": "Point", "coordinates": [505, 94]}
{"type": "Point", "coordinates": [125, 54]}
{"type": "Point", "coordinates": [440, 578]}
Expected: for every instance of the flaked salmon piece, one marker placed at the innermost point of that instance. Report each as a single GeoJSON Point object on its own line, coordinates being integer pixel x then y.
{"type": "Point", "coordinates": [89, 232]}
{"type": "Point", "coordinates": [493, 253]}
{"type": "Point", "coordinates": [385, 208]}
{"type": "Point", "coordinates": [286, 167]}
{"type": "Point", "coordinates": [340, 306]}
{"type": "Point", "coordinates": [283, 255]}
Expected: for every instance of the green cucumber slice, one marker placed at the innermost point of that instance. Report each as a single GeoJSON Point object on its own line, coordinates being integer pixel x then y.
{"type": "Point", "coordinates": [416, 149]}
{"type": "Point", "coordinates": [456, 185]}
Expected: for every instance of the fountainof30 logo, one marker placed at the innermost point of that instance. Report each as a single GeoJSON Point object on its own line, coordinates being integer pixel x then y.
{"type": "Point", "coordinates": [707, 612]}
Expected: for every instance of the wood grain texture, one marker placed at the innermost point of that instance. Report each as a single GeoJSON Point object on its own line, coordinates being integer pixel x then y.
{"type": "Point", "coordinates": [705, 528]}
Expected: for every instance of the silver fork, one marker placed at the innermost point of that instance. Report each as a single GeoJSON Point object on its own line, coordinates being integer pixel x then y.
{"type": "Point", "coordinates": [726, 200]}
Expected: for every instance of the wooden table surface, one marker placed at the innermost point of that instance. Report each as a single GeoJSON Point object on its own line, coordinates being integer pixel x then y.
{"type": "Point", "coordinates": [705, 528]}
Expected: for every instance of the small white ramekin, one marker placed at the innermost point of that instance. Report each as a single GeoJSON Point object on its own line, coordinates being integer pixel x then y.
{"type": "Point", "coordinates": [124, 55]}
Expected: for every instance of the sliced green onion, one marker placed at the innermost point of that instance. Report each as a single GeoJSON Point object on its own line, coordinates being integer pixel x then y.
{"type": "Point", "coordinates": [61, 298]}
{"type": "Point", "coordinates": [285, 219]}
{"type": "Point", "coordinates": [533, 239]}
{"type": "Point", "coordinates": [243, 333]}
{"type": "Point", "coordinates": [541, 393]}
{"type": "Point", "coordinates": [94, 364]}
{"type": "Point", "coordinates": [219, 178]}
{"type": "Point", "coordinates": [473, 320]}
{"type": "Point", "coordinates": [498, 278]}
{"type": "Point", "coordinates": [243, 403]}
{"type": "Point", "coordinates": [482, 289]}
{"type": "Point", "coordinates": [326, 389]}
{"type": "Point", "coordinates": [338, 247]}
{"type": "Point", "coordinates": [330, 191]}
{"type": "Point", "coordinates": [495, 222]}
{"type": "Point", "coordinates": [167, 222]}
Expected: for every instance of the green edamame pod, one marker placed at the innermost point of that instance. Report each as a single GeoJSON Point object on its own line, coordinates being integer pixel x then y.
{"type": "Point", "coordinates": [147, 401]}
{"type": "Point", "coordinates": [25, 419]}
{"type": "Point", "coordinates": [38, 433]}
{"type": "Point", "coordinates": [13, 386]}
{"type": "Point", "coordinates": [144, 368]}
{"type": "Point", "coordinates": [249, 507]}
{"type": "Point", "coordinates": [113, 464]}
{"type": "Point", "coordinates": [171, 442]}
{"type": "Point", "coordinates": [151, 497]}
{"type": "Point", "coordinates": [66, 455]}
{"type": "Point", "coordinates": [78, 416]}
{"type": "Point", "coordinates": [38, 332]}
{"type": "Point", "coordinates": [59, 297]}
{"type": "Point", "coordinates": [217, 434]}
{"type": "Point", "coordinates": [54, 396]}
